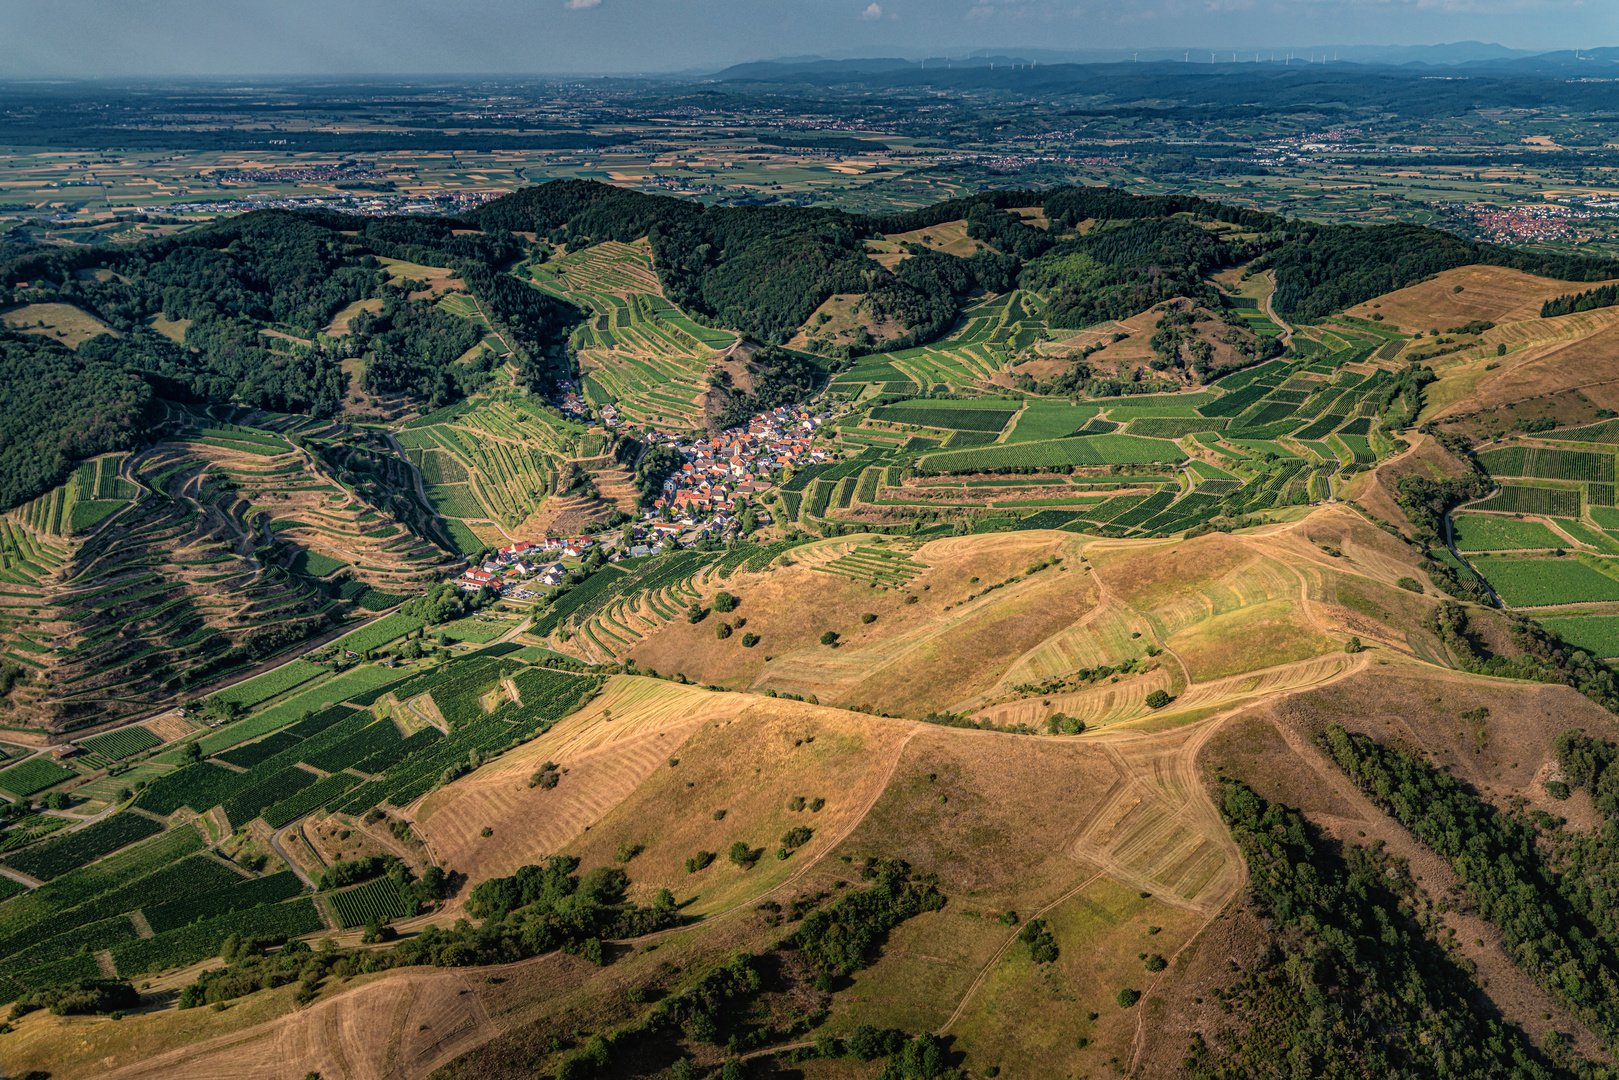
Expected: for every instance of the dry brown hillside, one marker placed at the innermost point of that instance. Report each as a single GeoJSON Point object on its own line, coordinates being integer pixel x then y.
{"type": "Point", "coordinates": [1110, 837]}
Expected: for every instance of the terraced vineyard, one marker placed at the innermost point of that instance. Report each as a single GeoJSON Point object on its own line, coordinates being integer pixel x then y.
{"type": "Point", "coordinates": [889, 569]}
{"type": "Point", "coordinates": [637, 350]}
{"type": "Point", "coordinates": [223, 553]}
{"type": "Point", "coordinates": [496, 463]}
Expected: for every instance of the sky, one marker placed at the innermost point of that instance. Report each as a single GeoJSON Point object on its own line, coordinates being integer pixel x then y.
{"type": "Point", "coordinates": [168, 38]}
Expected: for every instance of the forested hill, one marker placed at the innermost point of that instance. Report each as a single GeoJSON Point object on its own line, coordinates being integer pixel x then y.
{"type": "Point", "coordinates": [249, 299]}
{"type": "Point", "coordinates": [765, 270]}
{"type": "Point", "coordinates": [243, 303]}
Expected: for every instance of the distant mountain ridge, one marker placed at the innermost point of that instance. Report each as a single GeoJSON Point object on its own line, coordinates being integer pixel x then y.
{"type": "Point", "coordinates": [1472, 54]}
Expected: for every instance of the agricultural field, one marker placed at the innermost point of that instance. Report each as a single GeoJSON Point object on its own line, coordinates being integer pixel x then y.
{"type": "Point", "coordinates": [271, 684]}
{"type": "Point", "coordinates": [213, 546]}
{"type": "Point", "coordinates": [377, 634]}
{"type": "Point", "coordinates": [1596, 634]}
{"type": "Point", "coordinates": [1485, 532]}
{"type": "Point", "coordinates": [478, 631]}
{"type": "Point", "coordinates": [351, 683]}
{"type": "Point", "coordinates": [1546, 582]}
{"type": "Point", "coordinates": [646, 356]}
{"type": "Point", "coordinates": [33, 776]}
{"type": "Point", "coordinates": [120, 744]}
{"type": "Point", "coordinates": [1014, 576]}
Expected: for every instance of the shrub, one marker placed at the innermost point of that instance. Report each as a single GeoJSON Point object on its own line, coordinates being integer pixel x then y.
{"type": "Point", "coordinates": [1042, 946]}
{"type": "Point", "coordinates": [829, 637]}
{"type": "Point", "coordinates": [1353, 645]}
{"type": "Point", "coordinates": [547, 777]}
{"type": "Point", "coordinates": [722, 631]}
{"type": "Point", "coordinates": [695, 614]}
{"type": "Point", "coordinates": [749, 640]}
{"type": "Point", "coordinates": [1127, 998]}
{"type": "Point", "coordinates": [815, 804]}
{"type": "Point", "coordinates": [868, 618]}
{"type": "Point", "coordinates": [797, 836]}
{"type": "Point", "coordinates": [1156, 963]}
{"type": "Point", "coordinates": [796, 803]}
{"type": "Point", "coordinates": [486, 832]}
{"type": "Point", "coordinates": [719, 815]}
{"type": "Point", "coordinates": [699, 861]}
{"type": "Point", "coordinates": [1410, 583]}
{"type": "Point", "coordinates": [628, 851]}
{"type": "Point", "coordinates": [1557, 789]}
{"type": "Point", "coordinates": [724, 602]}
{"type": "Point", "coordinates": [743, 855]}
{"type": "Point", "coordinates": [1157, 699]}
{"type": "Point", "coordinates": [868, 1043]}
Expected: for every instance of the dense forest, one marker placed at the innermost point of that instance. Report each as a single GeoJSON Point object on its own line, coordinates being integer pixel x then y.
{"type": "Point", "coordinates": [1324, 269]}
{"type": "Point", "coordinates": [56, 407]}
{"type": "Point", "coordinates": [1354, 986]}
{"type": "Point", "coordinates": [1550, 901]}
{"type": "Point", "coordinates": [226, 284]}
{"type": "Point", "coordinates": [1591, 299]}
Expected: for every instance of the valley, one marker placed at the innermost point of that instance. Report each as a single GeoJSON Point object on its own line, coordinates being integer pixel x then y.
{"type": "Point", "coordinates": [541, 643]}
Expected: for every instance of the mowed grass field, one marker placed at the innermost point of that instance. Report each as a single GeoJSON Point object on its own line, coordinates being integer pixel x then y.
{"type": "Point", "coordinates": [1544, 582]}
{"type": "Point", "coordinates": [1481, 532]}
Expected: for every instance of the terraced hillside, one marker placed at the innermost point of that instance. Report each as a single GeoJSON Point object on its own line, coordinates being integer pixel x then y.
{"type": "Point", "coordinates": [488, 466]}
{"type": "Point", "coordinates": [1125, 715]}
{"type": "Point", "coordinates": [1145, 860]}
{"type": "Point", "coordinates": [638, 350]}
{"type": "Point", "coordinates": [217, 548]}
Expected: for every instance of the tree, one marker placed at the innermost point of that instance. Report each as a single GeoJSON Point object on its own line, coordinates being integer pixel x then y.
{"type": "Point", "coordinates": [724, 602]}
{"type": "Point", "coordinates": [722, 631]}
{"type": "Point", "coordinates": [695, 613]}
{"type": "Point", "coordinates": [192, 752]}
{"type": "Point", "coordinates": [829, 637]}
{"type": "Point", "coordinates": [1353, 645]}
{"type": "Point", "coordinates": [1157, 699]}
{"type": "Point", "coordinates": [439, 604]}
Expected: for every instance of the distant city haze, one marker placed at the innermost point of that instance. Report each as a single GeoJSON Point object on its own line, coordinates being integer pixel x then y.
{"type": "Point", "coordinates": [225, 38]}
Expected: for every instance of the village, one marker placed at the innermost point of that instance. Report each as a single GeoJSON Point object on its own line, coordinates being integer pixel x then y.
{"type": "Point", "coordinates": [709, 498]}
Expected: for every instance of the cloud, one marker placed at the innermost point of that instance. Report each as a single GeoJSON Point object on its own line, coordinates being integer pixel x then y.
{"type": "Point", "coordinates": [580, 5]}
{"type": "Point", "coordinates": [872, 13]}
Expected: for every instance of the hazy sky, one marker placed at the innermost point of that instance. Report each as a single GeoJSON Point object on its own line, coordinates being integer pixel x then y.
{"type": "Point", "coordinates": [240, 37]}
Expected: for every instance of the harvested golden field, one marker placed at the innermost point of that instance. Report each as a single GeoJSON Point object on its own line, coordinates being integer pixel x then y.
{"type": "Point", "coordinates": [404, 1023]}
{"type": "Point", "coordinates": [949, 237]}
{"type": "Point", "coordinates": [736, 781]}
{"type": "Point", "coordinates": [65, 323]}
{"type": "Point", "coordinates": [1488, 293]}
{"type": "Point", "coordinates": [608, 750]}
{"type": "Point", "coordinates": [339, 326]}
{"type": "Point", "coordinates": [965, 644]}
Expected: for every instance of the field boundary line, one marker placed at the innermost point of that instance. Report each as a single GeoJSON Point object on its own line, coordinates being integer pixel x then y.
{"type": "Point", "coordinates": [983, 974]}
